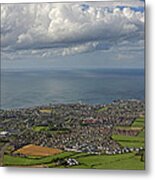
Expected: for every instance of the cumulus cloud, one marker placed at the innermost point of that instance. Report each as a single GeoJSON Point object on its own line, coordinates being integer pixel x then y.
{"type": "Point", "coordinates": [60, 29]}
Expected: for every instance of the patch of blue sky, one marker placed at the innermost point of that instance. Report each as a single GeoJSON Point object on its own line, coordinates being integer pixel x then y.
{"type": "Point", "coordinates": [84, 7]}
{"type": "Point", "coordinates": [136, 9]}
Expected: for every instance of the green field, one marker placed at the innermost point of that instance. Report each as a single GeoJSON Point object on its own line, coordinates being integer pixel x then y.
{"type": "Point", "coordinates": [40, 128]}
{"type": "Point", "coordinates": [139, 122]}
{"type": "Point", "coordinates": [121, 161]}
{"type": "Point", "coordinates": [102, 109]}
{"type": "Point", "coordinates": [49, 130]}
{"type": "Point", "coordinates": [29, 161]}
{"type": "Point", "coordinates": [129, 141]}
{"type": "Point", "coordinates": [128, 128]}
{"type": "Point", "coordinates": [141, 134]}
{"type": "Point", "coordinates": [132, 141]}
{"type": "Point", "coordinates": [128, 138]}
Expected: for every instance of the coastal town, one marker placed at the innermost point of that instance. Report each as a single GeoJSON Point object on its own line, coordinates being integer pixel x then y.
{"type": "Point", "coordinates": [73, 86]}
{"type": "Point", "coordinates": [71, 127]}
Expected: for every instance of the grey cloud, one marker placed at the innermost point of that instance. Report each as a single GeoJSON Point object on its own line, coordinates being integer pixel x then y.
{"type": "Point", "coordinates": [53, 29]}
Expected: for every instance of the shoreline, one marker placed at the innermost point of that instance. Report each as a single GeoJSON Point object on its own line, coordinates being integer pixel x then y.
{"type": "Point", "coordinates": [57, 104]}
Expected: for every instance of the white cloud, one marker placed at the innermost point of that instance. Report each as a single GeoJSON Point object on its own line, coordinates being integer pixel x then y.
{"type": "Point", "coordinates": [54, 29]}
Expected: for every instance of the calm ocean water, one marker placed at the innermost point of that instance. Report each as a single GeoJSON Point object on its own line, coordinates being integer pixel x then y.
{"type": "Point", "coordinates": [25, 88]}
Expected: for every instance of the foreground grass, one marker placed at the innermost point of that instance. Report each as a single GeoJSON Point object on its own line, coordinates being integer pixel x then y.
{"type": "Point", "coordinates": [28, 161]}
{"type": "Point", "coordinates": [119, 161]}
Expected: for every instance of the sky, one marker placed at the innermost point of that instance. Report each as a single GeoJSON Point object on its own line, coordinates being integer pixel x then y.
{"type": "Point", "coordinates": [81, 34]}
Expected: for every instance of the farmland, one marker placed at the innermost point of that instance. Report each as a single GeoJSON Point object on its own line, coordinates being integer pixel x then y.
{"type": "Point", "coordinates": [129, 141]}
{"type": "Point", "coordinates": [132, 141]}
{"type": "Point", "coordinates": [74, 136]}
{"type": "Point", "coordinates": [33, 160]}
{"type": "Point", "coordinates": [37, 150]}
{"type": "Point", "coordinates": [125, 161]}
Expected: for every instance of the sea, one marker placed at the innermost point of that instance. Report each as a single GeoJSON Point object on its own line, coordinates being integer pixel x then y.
{"type": "Point", "coordinates": [34, 87]}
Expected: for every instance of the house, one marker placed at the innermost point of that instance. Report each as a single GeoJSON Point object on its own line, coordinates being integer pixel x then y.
{"type": "Point", "coordinates": [4, 133]}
